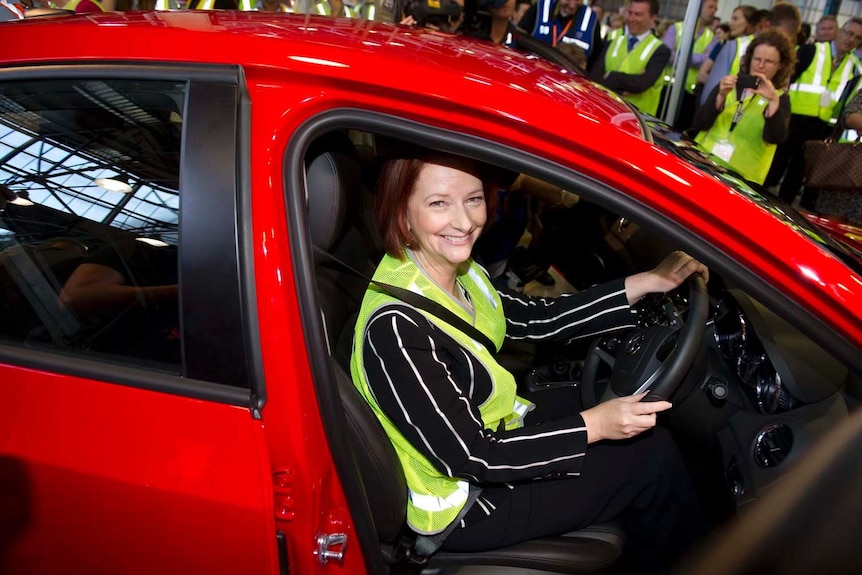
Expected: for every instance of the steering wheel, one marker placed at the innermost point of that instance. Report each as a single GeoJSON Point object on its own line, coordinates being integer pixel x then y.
{"type": "Point", "coordinates": [654, 358]}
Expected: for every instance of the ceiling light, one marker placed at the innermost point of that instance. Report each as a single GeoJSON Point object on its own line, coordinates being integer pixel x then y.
{"type": "Point", "coordinates": [155, 242]}
{"type": "Point", "coordinates": [10, 197]}
{"type": "Point", "coordinates": [118, 183]}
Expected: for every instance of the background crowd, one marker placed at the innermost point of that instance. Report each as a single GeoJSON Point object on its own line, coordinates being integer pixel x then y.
{"type": "Point", "coordinates": [756, 87]}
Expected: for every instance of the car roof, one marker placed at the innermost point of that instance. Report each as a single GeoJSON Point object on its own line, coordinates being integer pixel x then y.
{"type": "Point", "coordinates": [415, 61]}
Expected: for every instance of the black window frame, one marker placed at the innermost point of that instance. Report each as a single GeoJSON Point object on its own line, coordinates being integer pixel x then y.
{"type": "Point", "coordinates": [218, 329]}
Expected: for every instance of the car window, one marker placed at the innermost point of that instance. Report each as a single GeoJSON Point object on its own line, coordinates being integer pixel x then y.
{"type": "Point", "coordinates": [705, 160]}
{"type": "Point", "coordinates": [89, 212]}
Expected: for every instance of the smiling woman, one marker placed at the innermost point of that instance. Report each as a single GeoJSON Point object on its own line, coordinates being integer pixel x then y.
{"type": "Point", "coordinates": [470, 446]}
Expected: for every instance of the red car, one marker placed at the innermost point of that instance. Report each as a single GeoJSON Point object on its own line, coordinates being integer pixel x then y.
{"type": "Point", "coordinates": [172, 328]}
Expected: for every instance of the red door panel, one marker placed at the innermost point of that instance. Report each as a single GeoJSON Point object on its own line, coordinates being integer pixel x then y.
{"type": "Point", "coordinates": [104, 478]}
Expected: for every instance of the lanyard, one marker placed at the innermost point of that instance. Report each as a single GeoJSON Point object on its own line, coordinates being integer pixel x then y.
{"type": "Point", "coordinates": [563, 33]}
{"type": "Point", "coordinates": [740, 110]}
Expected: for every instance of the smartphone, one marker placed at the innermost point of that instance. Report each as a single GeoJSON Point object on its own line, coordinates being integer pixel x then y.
{"type": "Point", "coordinates": [744, 81]}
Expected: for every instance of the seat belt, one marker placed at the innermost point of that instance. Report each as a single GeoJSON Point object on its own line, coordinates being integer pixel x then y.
{"type": "Point", "coordinates": [420, 302]}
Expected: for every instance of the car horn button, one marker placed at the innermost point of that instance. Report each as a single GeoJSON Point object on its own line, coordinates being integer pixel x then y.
{"type": "Point", "coordinates": [633, 345]}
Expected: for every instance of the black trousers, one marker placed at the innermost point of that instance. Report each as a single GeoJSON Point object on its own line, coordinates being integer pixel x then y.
{"type": "Point", "coordinates": [642, 482]}
{"type": "Point", "coordinates": [788, 156]}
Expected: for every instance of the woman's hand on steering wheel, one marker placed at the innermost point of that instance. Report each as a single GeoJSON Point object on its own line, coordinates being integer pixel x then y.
{"type": "Point", "coordinates": [666, 276]}
{"type": "Point", "coordinates": [622, 417]}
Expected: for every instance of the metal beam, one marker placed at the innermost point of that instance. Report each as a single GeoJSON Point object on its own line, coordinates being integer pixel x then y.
{"type": "Point", "coordinates": [683, 55]}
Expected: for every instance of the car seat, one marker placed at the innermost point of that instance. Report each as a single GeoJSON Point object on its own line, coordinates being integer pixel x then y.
{"type": "Point", "coordinates": [332, 188]}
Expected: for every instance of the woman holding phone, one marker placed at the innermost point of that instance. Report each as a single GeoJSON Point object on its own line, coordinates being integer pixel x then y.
{"type": "Point", "coordinates": [747, 115]}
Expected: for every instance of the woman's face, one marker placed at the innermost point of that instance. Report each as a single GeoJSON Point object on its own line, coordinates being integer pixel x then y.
{"type": "Point", "coordinates": [720, 34]}
{"type": "Point", "coordinates": [738, 24]}
{"type": "Point", "coordinates": [445, 214]}
{"type": "Point", "coordinates": [765, 60]}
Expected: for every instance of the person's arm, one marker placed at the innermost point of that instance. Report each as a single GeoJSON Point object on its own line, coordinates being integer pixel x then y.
{"type": "Point", "coordinates": [637, 83]}
{"type": "Point", "coordinates": [600, 309]}
{"type": "Point", "coordinates": [698, 58]}
{"type": "Point", "coordinates": [776, 127]}
{"type": "Point", "coordinates": [720, 68]}
{"type": "Point", "coordinates": [528, 21]}
{"type": "Point", "coordinates": [804, 58]}
{"type": "Point", "coordinates": [666, 276]}
{"type": "Point", "coordinates": [669, 38]}
{"type": "Point", "coordinates": [596, 46]}
{"type": "Point", "coordinates": [424, 382]}
{"type": "Point", "coordinates": [551, 195]}
{"type": "Point", "coordinates": [707, 113]}
{"type": "Point", "coordinates": [703, 72]}
{"type": "Point", "coordinates": [597, 70]}
{"type": "Point", "coordinates": [579, 315]}
{"type": "Point", "coordinates": [98, 289]}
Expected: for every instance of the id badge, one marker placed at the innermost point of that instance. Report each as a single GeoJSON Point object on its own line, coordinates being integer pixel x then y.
{"type": "Point", "coordinates": [723, 149]}
{"type": "Point", "coordinates": [826, 99]}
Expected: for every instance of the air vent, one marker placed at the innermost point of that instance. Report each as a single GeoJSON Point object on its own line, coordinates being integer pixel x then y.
{"type": "Point", "coordinates": [773, 445]}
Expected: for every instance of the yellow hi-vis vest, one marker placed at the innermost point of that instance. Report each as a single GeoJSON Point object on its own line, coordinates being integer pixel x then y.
{"type": "Point", "coordinates": [74, 4]}
{"type": "Point", "coordinates": [365, 10]}
{"type": "Point", "coordinates": [435, 499]}
{"type": "Point", "coordinates": [818, 88]}
{"type": "Point", "coordinates": [850, 66]}
{"type": "Point", "coordinates": [168, 5]}
{"type": "Point", "coordinates": [751, 157]}
{"type": "Point", "coordinates": [615, 33]}
{"type": "Point", "coordinates": [741, 46]}
{"type": "Point", "coordinates": [700, 45]}
{"type": "Point", "coordinates": [619, 59]}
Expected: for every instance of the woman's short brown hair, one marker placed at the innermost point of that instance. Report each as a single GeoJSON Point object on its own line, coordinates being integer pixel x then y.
{"type": "Point", "coordinates": [396, 183]}
{"type": "Point", "coordinates": [786, 53]}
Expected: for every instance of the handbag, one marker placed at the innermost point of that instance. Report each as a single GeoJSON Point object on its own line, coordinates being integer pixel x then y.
{"type": "Point", "coordinates": [833, 165]}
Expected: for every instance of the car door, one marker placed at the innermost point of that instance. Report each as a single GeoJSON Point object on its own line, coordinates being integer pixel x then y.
{"type": "Point", "coordinates": [130, 434]}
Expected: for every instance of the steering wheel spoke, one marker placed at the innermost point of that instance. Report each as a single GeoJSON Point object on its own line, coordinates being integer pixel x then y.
{"type": "Point", "coordinates": [605, 355]}
{"type": "Point", "coordinates": [654, 358]}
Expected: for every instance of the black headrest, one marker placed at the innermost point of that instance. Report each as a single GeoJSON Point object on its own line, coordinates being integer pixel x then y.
{"type": "Point", "coordinates": [333, 181]}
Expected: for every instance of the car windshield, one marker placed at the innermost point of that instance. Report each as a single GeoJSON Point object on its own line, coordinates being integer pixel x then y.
{"type": "Point", "coordinates": [689, 150]}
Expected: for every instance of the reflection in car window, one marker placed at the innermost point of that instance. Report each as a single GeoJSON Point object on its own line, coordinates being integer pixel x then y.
{"type": "Point", "coordinates": [89, 206]}
{"type": "Point", "coordinates": [706, 161]}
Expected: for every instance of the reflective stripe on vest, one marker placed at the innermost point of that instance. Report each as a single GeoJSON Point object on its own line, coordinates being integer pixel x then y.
{"type": "Point", "coordinates": [15, 9]}
{"type": "Point", "coordinates": [805, 93]}
{"type": "Point", "coordinates": [436, 498]}
{"type": "Point", "coordinates": [751, 157]}
{"type": "Point", "coordinates": [432, 503]}
{"type": "Point", "coordinates": [616, 33]}
{"type": "Point", "coordinates": [849, 67]}
{"type": "Point", "coordinates": [580, 32]}
{"type": "Point", "coordinates": [619, 59]}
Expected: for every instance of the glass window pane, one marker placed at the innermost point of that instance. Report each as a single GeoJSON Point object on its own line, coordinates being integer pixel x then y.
{"type": "Point", "coordinates": [94, 166]}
